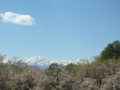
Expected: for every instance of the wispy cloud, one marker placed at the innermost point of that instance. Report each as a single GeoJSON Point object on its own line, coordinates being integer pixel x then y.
{"type": "Point", "coordinates": [17, 18]}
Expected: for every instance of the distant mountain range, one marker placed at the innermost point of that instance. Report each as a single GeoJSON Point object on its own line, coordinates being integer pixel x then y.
{"type": "Point", "coordinates": [43, 63]}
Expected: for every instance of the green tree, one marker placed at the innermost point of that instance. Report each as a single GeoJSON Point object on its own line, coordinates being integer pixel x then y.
{"type": "Point", "coordinates": [70, 67]}
{"type": "Point", "coordinates": [54, 71]}
{"type": "Point", "coordinates": [53, 66]}
{"type": "Point", "coordinates": [112, 51]}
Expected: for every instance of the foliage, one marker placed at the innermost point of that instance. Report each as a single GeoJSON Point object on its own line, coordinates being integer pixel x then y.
{"type": "Point", "coordinates": [112, 51]}
{"type": "Point", "coordinates": [54, 72]}
{"type": "Point", "coordinates": [53, 66]}
{"type": "Point", "coordinates": [70, 67]}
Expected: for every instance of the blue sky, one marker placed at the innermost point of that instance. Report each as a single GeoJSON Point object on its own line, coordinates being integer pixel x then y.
{"type": "Point", "coordinates": [58, 29]}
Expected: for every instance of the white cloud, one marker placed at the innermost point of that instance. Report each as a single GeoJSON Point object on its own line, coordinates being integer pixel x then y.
{"type": "Point", "coordinates": [17, 18]}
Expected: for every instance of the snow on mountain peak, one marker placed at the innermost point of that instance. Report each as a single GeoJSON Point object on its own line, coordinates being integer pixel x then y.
{"type": "Point", "coordinates": [43, 63]}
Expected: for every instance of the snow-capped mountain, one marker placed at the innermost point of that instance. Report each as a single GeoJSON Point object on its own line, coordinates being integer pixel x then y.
{"type": "Point", "coordinates": [39, 62]}
{"type": "Point", "coordinates": [43, 63]}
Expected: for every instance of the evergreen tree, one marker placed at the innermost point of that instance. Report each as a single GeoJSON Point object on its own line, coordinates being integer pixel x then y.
{"type": "Point", "coordinates": [112, 51]}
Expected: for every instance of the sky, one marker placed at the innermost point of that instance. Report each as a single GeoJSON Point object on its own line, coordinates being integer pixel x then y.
{"type": "Point", "coordinates": [58, 29]}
